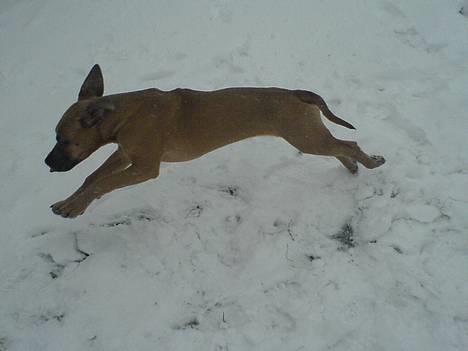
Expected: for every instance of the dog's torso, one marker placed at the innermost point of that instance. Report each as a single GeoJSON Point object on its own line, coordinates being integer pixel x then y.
{"type": "Point", "coordinates": [190, 123]}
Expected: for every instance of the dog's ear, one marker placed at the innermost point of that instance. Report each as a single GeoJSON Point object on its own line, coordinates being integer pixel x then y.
{"type": "Point", "coordinates": [95, 112]}
{"type": "Point", "coordinates": [93, 86]}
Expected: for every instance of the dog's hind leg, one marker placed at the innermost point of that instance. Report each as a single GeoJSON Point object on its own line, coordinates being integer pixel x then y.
{"type": "Point", "coordinates": [311, 136]}
{"type": "Point", "coordinates": [347, 152]}
{"type": "Point", "coordinates": [350, 164]}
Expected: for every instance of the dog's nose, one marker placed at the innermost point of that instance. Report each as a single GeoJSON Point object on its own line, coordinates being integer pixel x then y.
{"type": "Point", "coordinates": [48, 162]}
{"type": "Point", "coordinates": [51, 158]}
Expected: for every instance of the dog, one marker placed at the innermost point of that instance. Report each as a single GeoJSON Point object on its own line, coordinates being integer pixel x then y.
{"type": "Point", "coordinates": [153, 126]}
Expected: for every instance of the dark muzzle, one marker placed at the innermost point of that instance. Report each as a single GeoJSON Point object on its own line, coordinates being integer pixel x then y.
{"type": "Point", "coordinates": [58, 161]}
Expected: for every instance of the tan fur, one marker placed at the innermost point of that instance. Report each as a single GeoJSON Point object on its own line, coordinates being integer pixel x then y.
{"type": "Point", "coordinates": [153, 126]}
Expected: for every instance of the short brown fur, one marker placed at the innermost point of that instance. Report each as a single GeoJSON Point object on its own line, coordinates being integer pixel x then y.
{"type": "Point", "coordinates": [153, 126]}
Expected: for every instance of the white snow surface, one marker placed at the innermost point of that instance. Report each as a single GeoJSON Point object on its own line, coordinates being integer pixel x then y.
{"type": "Point", "coordinates": [253, 246]}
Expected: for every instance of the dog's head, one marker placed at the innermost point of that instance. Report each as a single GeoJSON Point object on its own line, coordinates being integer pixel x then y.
{"type": "Point", "coordinates": [77, 133]}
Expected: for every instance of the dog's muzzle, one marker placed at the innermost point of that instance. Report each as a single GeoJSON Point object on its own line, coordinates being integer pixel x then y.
{"type": "Point", "coordinates": [58, 161]}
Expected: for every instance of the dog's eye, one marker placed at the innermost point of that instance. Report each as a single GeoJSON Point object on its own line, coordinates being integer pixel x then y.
{"type": "Point", "coordinates": [62, 141]}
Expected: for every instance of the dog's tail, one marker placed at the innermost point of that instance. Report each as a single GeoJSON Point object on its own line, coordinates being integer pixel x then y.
{"type": "Point", "coordinates": [311, 98]}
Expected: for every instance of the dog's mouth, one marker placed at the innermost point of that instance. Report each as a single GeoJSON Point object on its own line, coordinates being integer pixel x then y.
{"type": "Point", "coordinates": [63, 166]}
{"type": "Point", "coordinates": [59, 162]}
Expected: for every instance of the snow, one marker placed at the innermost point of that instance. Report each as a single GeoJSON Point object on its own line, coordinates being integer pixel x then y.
{"type": "Point", "coordinates": [464, 8]}
{"type": "Point", "coordinates": [253, 246]}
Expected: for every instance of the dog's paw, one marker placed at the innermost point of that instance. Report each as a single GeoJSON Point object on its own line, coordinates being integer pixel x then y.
{"type": "Point", "coordinates": [72, 207]}
{"type": "Point", "coordinates": [352, 166]}
{"type": "Point", "coordinates": [354, 169]}
{"type": "Point", "coordinates": [378, 160]}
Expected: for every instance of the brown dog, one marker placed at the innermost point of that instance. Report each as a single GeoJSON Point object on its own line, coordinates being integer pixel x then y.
{"type": "Point", "coordinates": [153, 126]}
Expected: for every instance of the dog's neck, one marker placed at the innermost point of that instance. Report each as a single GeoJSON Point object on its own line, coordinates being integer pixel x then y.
{"type": "Point", "coordinates": [109, 128]}
{"type": "Point", "coordinates": [126, 106]}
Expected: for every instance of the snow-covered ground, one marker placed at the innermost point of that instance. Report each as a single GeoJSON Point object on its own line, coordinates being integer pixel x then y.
{"type": "Point", "coordinates": [253, 246]}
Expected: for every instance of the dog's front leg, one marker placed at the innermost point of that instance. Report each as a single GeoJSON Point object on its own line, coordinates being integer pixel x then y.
{"type": "Point", "coordinates": [111, 175]}
{"type": "Point", "coordinates": [77, 204]}
{"type": "Point", "coordinates": [115, 163]}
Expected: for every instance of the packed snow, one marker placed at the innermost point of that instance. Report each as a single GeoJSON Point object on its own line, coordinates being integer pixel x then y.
{"type": "Point", "coordinates": [254, 246]}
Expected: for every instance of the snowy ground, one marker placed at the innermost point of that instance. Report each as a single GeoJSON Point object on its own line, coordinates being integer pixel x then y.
{"type": "Point", "coordinates": [252, 247]}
